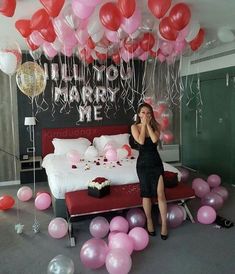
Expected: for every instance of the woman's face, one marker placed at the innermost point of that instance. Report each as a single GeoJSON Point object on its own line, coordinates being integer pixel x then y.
{"type": "Point", "coordinates": [145, 112]}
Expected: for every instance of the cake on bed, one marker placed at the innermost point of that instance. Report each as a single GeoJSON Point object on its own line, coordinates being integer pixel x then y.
{"type": "Point", "coordinates": [99, 187]}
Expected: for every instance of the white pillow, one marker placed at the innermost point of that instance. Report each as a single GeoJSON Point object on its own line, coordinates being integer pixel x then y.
{"type": "Point", "coordinates": [63, 146]}
{"type": "Point", "coordinates": [91, 153]}
{"type": "Point", "coordinates": [117, 141]}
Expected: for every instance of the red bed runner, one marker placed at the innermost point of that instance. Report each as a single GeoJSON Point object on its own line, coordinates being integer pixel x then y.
{"type": "Point", "coordinates": [121, 196]}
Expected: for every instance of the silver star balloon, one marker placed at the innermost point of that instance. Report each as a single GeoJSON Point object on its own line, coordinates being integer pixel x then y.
{"type": "Point", "coordinates": [19, 228]}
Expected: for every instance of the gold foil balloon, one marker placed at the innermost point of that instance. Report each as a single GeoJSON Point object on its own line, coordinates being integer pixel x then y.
{"type": "Point", "coordinates": [31, 79]}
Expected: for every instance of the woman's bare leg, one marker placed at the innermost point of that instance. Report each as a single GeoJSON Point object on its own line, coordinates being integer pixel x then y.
{"type": "Point", "coordinates": [147, 205]}
{"type": "Point", "coordinates": [162, 205]}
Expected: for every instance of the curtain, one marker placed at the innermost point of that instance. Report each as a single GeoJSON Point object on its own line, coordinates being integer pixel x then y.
{"type": "Point", "coordinates": [9, 136]}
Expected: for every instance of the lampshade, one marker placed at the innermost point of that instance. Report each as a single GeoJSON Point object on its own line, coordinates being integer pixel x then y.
{"type": "Point", "coordinates": [29, 121]}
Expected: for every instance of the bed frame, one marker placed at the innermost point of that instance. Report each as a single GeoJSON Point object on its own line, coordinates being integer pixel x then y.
{"type": "Point", "coordinates": [90, 133]}
{"type": "Point", "coordinates": [180, 194]}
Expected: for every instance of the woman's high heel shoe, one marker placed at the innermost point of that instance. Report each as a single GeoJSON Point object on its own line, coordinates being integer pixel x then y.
{"type": "Point", "coordinates": [164, 237]}
{"type": "Point", "coordinates": [152, 233]}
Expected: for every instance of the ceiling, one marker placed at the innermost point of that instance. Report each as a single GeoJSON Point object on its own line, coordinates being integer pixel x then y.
{"type": "Point", "coordinates": [211, 14]}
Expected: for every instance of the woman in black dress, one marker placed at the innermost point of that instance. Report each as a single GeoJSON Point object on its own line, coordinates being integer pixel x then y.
{"type": "Point", "coordinates": [150, 170]}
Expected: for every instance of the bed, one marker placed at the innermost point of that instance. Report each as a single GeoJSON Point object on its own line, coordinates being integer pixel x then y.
{"type": "Point", "coordinates": [62, 178]}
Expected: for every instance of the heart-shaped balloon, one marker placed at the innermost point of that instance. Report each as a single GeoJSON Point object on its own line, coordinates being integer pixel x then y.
{"type": "Point", "coordinates": [53, 7]}
{"type": "Point", "coordinates": [48, 33]}
{"type": "Point", "coordinates": [39, 20]}
{"type": "Point", "coordinates": [30, 44]}
{"type": "Point", "coordinates": [23, 26]}
{"type": "Point", "coordinates": [7, 7]}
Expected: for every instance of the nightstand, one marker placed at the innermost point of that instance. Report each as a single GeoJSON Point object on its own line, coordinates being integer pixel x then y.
{"type": "Point", "coordinates": [26, 170]}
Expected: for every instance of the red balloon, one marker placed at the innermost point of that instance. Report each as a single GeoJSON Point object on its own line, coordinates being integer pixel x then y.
{"type": "Point", "coordinates": [30, 44]}
{"type": "Point", "coordinates": [53, 7]}
{"type": "Point", "coordinates": [48, 33]}
{"type": "Point", "coordinates": [126, 7]}
{"type": "Point", "coordinates": [89, 59]}
{"type": "Point", "coordinates": [130, 46]}
{"type": "Point", "coordinates": [167, 137]}
{"type": "Point", "coordinates": [164, 123]}
{"type": "Point", "coordinates": [128, 148]}
{"type": "Point", "coordinates": [6, 202]}
{"type": "Point", "coordinates": [101, 56]}
{"type": "Point", "coordinates": [179, 16]}
{"type": "Point", "coordinates": [147, 42]}
{"type": "Point", "coordinates": [90, 43]}
{"type": "Point", "coordinates": [8, 7]}
{"type": "Point", "coordinates": [198, 40]}
{"type": "Point", "coordinates": [116, 58]}
{"type": "Point", "coordinates": [166, 29]}
{"type": "Point", "coordinates": [159, 7]}
{"type": "Point", "coordinates": [153, 53]}
{"type": "Point", "coordinates": [23, 26]}
{"type": "Point", "coordinates": [39, 20]}
{"type": "Point", "coordinates": [110, 16]}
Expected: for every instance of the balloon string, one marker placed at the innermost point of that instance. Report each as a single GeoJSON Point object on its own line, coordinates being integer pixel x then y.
{"type": "Point", "coordinates": [13, 140]}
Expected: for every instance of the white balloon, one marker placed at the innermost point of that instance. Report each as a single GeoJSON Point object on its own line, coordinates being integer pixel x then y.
{"type": "Point", "coordinates": [193, 29]}
{"type": "Point", "coordinates": [122, 153]}
{"type": "Point", "coordinates": [225, 35]}
{"type": "Point", "coordinates": [8, 62]}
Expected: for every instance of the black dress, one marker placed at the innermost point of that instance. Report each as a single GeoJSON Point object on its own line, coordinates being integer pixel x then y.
{"type": "Point", "coordinates": [149, 168]}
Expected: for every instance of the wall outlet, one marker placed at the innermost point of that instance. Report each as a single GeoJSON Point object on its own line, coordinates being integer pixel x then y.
{"type": "Point", "coordinates": [30, 149]}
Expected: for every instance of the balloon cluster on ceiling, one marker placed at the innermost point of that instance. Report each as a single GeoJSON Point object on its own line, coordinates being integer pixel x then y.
{"type": "Point", "coordinates": [97, 30]}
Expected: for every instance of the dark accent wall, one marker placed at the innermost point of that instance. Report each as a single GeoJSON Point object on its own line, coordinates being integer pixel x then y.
{"type": "Point", "coordinates": [51, 114]}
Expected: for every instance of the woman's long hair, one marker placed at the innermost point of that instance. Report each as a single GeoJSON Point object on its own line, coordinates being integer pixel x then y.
{"type": "Point", "coordinates": [154, 124]}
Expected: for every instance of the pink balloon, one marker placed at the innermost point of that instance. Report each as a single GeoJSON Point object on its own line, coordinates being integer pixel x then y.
{"type": "Point", "coordinates": [81, 10]}
{"type": "Point", "coordinates": [111, 234]}
{"type": "Point", "coordinates": [140, 238]}
{"type": "Point", "coordinates": [93, 253]}
{"type": "Point", "coordinates": [58, 228]}
{"type": "Point", "coordinates": [131, 24]}
{"type": "Point", "coordinates": [24, 193]}
{"type": "Point", "coordinates": [222, 191]}
{"type": "Point", "coordinates": [136, 217]}
{"type": "Point", "coordinates": [118, 261]}
{"type": "Point", "coordinates": [111, 155]}
{"type": "Point", "coordinates": [99, 227]}
{"type": "Point", "coordinates": [112, 36]}
{"type": "Point", "coordinates": [200, 187]}
{"type": "Point", "coordinates": [73, 156]}
{"type": "Point", "coordinates": [179, 46]}
{"type": "Point", "coordinates": [42, 201]}
{"type": "Point", "coordinates": [143, 56]}
{"type": "Point", "coordinates": [161, 57]}
{"type": "Point", "coordinates": [121, 240]}
{"type": "Point", "coordinates": [167, 48]}
{"type": "Point", "coordinates": [206, 215]}
{"type": "Point", "coordinates": [175, 215]}
{"type": "Point", "coordinates": [36, 38]}
{"type": "Point", "coordinates": [49, 50]}
{"type": "Point", "coordinates": [214, 180]}
{"type": "Point", "coordinates": [109, 145]}
{"type": "Point", "coordinates": [126, 55]}
{"type": "Point", "coordinates": [213, 199]}
{"type": "Point", "coordinates": [120, 224]}
{"type": "Point", "coordinates": [82, 36]}
{"type": "Point", "coordinates": [91, 3]}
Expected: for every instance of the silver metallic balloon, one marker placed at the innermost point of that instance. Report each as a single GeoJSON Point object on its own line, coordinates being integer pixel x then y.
{"type": "Point", "coordinates": [113, 92]}
{"type": "Point", "coordinates": [86, 94]}
{"type": "Point", "coordinates": [111, 73]}
{"type": "Point", "coordinates": [100, 94]}
{"type": "Point", "coordinates": [85, 112]}
{"type": "Point", "coordinates": [60, 265]}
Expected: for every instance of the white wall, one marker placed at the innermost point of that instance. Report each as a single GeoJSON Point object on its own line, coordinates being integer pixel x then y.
{"type": "Point", "coordinates": [216, 63]}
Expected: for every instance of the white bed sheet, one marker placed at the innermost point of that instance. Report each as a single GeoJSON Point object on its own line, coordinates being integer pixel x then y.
{"type": "Point", "coordinates": [62, 178]}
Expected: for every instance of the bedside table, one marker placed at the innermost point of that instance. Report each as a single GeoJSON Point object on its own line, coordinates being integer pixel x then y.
{"type": "Point", "coordinates": [26, 170]}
